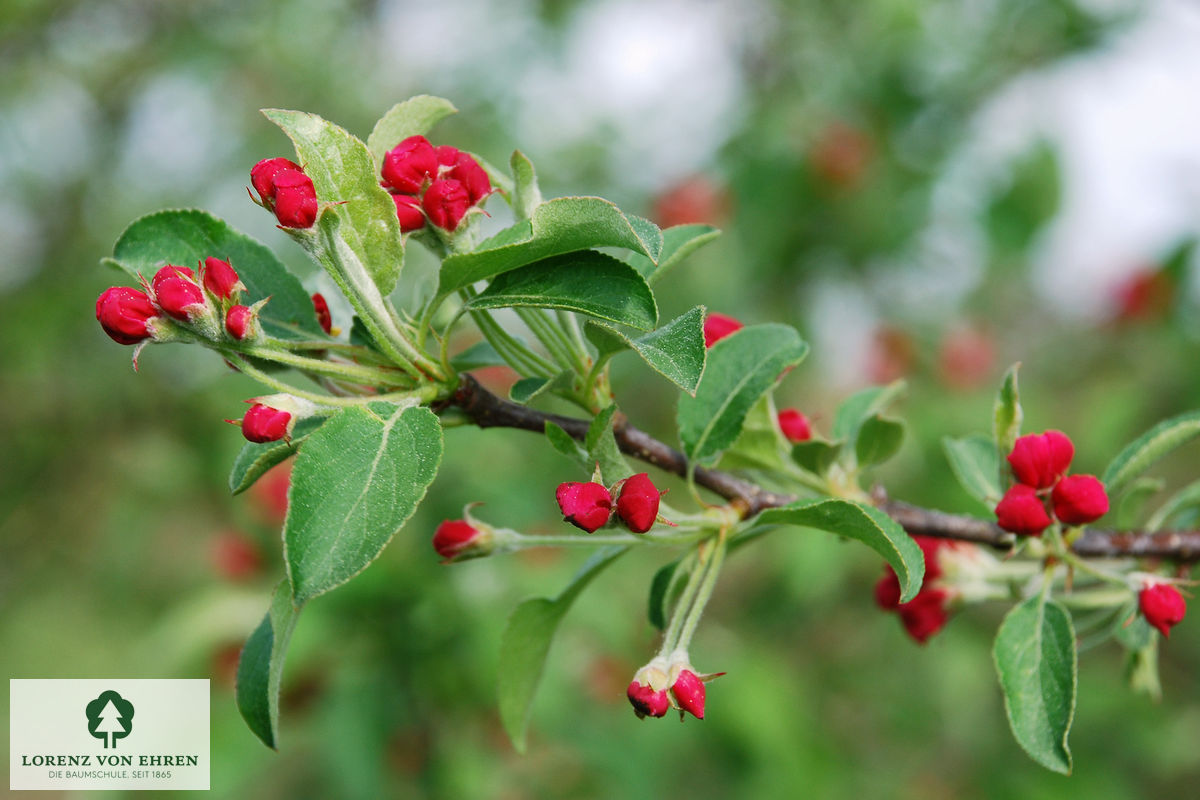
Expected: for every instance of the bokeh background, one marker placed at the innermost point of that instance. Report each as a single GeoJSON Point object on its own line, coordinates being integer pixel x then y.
{"type": "Point", "coordinates": [929, 189]}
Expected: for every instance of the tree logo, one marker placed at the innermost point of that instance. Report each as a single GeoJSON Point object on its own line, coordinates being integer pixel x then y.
{"type": "Point", "coordinates": [110, 717]}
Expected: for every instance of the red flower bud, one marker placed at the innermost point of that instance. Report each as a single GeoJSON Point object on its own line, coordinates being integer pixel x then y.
{"type": "Point", "coordinates": [446, 155]}
{"type": "Point", "coordinates": [237, 321]}
{"type": "Point", "coordinates": [235, 556]}
{"type": "Point", "coordinates": [123, 313]}
{"type": "Point", "coordinates": [467, 171]}
{"type": "Point", "coordinates": [408, 211]}
{"type": "Point", "coordinates": [295, 199]}
{"type": "Point", "coordinates": [1162, 605]}
{"type": "Point", "coordinates": [887, 590]}
{"type": "Point", "coordinates": [637, 504]}
{"type": "Point", "coordinates": [265, 424]}
{"type": "Point", "coordinates": [262, 176]}
{"type": "Point", "coordinates": [718, 326]}
{"type": "Point", "coordinates": [1021, 511]}
{"type": "Point", "coordinates": [221, 279]}
{"type": "Point", "coordinates": [324, 318]}
{"type": "Point", "coordinates": [446, 202]}
{"type": "Point", "coordinates": [408, 165]}
{"type": "Point", "coordinates": [689, 693]}
{"type": "Point", "coordinates": [646, 701]}
{"type": "Point", "coordinates": [176, 291]}
{"type": "Point", "coordinates": [794, 425]}
{"type": "Point", "coordinates": [930, 545]}
{"type": "Point", "coordinates": [453, 537]}
{"type": "Point", "coordinates": [924, 615]}
{"type": "Point", "coordinates": [1079, 499]}
{"type": "Point", "coordinates": [587, 506]}
{"type": "Point", "coordinates": [1039, 460]}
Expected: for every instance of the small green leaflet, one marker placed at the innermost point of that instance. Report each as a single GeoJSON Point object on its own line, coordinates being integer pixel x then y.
{"type": "Point", "coordinates": [1036, 662]}
{"type": "Point", "coordinates": [679, 242]}
{"type": "Point", "coordinates": [1007, 413]}
{"type": "Point", "coordinates": [526, 642]}
{"type": "Point", "coordinates": [602, 448]}
{"type": "Point", "coordinates": [356, 481]}
{"type": "Point", "coordinates": [865, 523]}
{"type": "Point", "coordinates": [878, 440]}
{"type": "Point", "coordinates": [260, 668]}
{"type": "Point", "coordinates": [676, 350]}
{"type": "Point", "coordinates": [415, 115]}
{"type": "Point", "coordinates": [526, 195]}
{"type": "Point", "coordinates": [976, 464]}
{"type": "Point", "coordinates": [1141, 453]}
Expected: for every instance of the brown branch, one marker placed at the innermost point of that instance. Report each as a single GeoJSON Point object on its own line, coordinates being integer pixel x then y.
{"type": "Point", "coordinates": [489, 411]}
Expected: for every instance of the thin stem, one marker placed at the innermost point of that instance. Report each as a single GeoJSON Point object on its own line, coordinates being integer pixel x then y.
{"type": "Point", "coordinates": [570, 323]}
{"type": "Point", "coordinates": [519, 357]}
{"type": "Point", "coordinates": [551, 337]}
{"type": "Point", "coordinates": [706, 589]}
{"type": "Point", "coordinates": [356, 373]}
{"type": "Point", "coordinates": [695, 578]}
{"type": "Point", "coordinates": [422, 394]}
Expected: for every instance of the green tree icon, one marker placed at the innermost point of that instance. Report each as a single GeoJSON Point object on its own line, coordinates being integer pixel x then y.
{"type": "Point", "coordinates": [110, 717]}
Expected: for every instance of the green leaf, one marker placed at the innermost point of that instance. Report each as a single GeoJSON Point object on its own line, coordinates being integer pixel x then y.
{"type": "Point", "coordinates": [602, 448]}
{"type": "Point", "coordinates": [415, 115]}
{"type": "Point", "coordinates": [526, 194]}
{"type": "Point", "coordinates": [343, 172]}
{"type": "Point", "coordinates": [679, 242]}
{"type": "Point", "coordinates": [878, 440]}
{"type": "Point", "coordinates": [1007, 416]}
{"type": "Point", "coordinates": [660, 594]}
{"type": "Point", "coordinates": [861, 406]}
{"type": "Point", "coordinates": [257, 457]}
{"type": "Point", "coordinates": [976, 464]}
{"type": "Point", "coordinates": [260, 667]}
{"type": "Point", "coordinates": [527, 390]}
{"type": "Point", "coordinates": [1186, 498]}
{"type": "Point", "coordinates": [1036, 661]}
{"type": "Point", "coordinates": [1148, 448]}
{"type": "Point", "coordinates": [816, 455]}
{"type": "Point", "coordinates": [526, 642]}
{"type": "Point", "coordinates": [357, 479]}
{"type": "Point", "coordinates": [649, 233]}
{"type": "Point", "coordinates": [740, 369]}
{"type": "Point", "coordinates": [565, 444]}
{"type": "Point", "coordinates": [1131, 629]}
{"type": "Point", "coordinates": [760, 446]}
{"type": "Point", "coordinates": [587, 282]}
{"type": "Point", "coordinates": [676, 350]}
{"type": "Point", "coordinates": [559, 226]}
{"type": "Point", "coordinates": [1133, 501]}
{"type": "Point", "coordinates": [480, 354]}
{"type": "Point", "coordinates": [186, 237]}
{"type": "Point", "coordinates": [865, 523]}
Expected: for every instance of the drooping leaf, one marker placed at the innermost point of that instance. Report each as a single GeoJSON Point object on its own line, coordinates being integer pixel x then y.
{"type": "Point", "coordinates": [1140, 454]}
{"type": "Point", "coordinates": [976, 464]}
{"type": "Point", "coordinates": [526, 642]}
{"type": "Point", "coordinates": [676, 350]}
{"type": "Point", "coordinates": [559, 226]}
{"type": "Point", "coordinates": [587, 282]}
{"type": "Point", "coordinates": [679, 242]}
{"type": "Point", "coordinates": [343, 172]}
{"type": "Point", "coordinates": [865, 523]}
{"type": "Point", "coordinates": [1007, 415]}
{"type": "Point", "coordinates": [186, 237]}
{"type": "Point", "coordinates": [260, 668]}
{"type": "Point", "coordinates": [1036, 661]}
{"type": "Point", "coordinates": [357, 479]}
{"type": "Point", "coordinates": [740, 368]}
{"type": "Point", "coordinates": [416, 115]}
{"type": "Point", "coordinates": [256, 458]}
{"type": "Point", "coordinates": [878, 440]}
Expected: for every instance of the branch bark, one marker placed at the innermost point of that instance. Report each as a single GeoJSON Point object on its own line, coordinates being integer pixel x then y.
{"type": "Point", "coordinates": [489, 411]}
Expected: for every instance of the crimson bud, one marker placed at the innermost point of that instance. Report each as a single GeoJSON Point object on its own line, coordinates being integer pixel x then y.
{"type": "Point", "coordinates": [262, 176]}
{"type": "Point", "coordinates": [467, 171]}
{"type": "Point", "coordinates": [446, 202]}
{"type": "Point", "coordinates": [123, 313]}
{"type": "Point", "coordinates": [1079, 499]}
{"type": "Point", "coordinates": [295, 199]}
{"type": "Point", "coordinates": [1021, 511]}
{"type": "Point", "coordinates": [456, 536]}
{"type": "Point", "coordinates": [408, 165]}
{"type": "Point", "coordinates": [265, 424]}
{"type": "Point", "coordinates": [237, 321]}
{"type": "Point", "coordinates": [794, 425]}
{"type": "Point", "coordinates": [887, 590]}
{"type": "Point", "coordinates": [177, 292]}
{"type": "Point", "coordinates": [925, 614]}
{"type": "Point", "coordinates": [221, 279]}
{"type": "Point", "coordinates": [646, 701]}
{"type": "Point", "coordinates": [587, 506]}
{"type": "Point", "coordinates": [1162, 605]}
{"type": "Point", "coordinates": [1039, 460]}
{"type": "Point", "coordinates": [718, 326]}
{"type": "Point", "coordinates": [446, 154]}
{"type": "Point", "coordinates": [689, 693]}
{"type": "Point", "coordinates": [408, 211]}
{"type": "Point", "coordinates": [324, 318]}
{"type": "Point", "coordinates": [637, 504]}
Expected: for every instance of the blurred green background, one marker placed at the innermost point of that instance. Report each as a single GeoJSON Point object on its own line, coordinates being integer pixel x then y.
{"type": "Point", "coordinates": [927, 189]}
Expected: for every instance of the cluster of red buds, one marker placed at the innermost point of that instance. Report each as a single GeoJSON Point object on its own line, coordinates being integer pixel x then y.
{"type": "Point", "coordinates": [440, 183]}
{"type": "Point", "coordinates": [1039, 463]}
{"type": "Point", "coordinates": [130, 316]}
{"type": "Point", "coordinates": [927, 613]}
{"type": "Point", "coordinates": [1162, 605]}
{"type": "Point", "coordinates": [284, 189]}
{"type": "Point", "coordinates": [663, 684]}
{"type": "Point", "coordinates": [589, 506]}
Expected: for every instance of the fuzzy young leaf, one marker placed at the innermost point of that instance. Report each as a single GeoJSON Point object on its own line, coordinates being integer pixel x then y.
{"type": "Point", "coordinates": [559, 226]}
{"type": "Point", "coordinates": [676, 350]}
{"type": "Point", "coordinates": [343, 172]}
{"type": "Point", "coordinates": [878, 440]}
{"type": "Point", "coordinates": [526, 642]}
{"type": "Point", "coordinates": [679, 242]}
{"type": "Point", "coordinates": [414, 116]}
{"type": "Point", "coordinates": [976, 464]}
{"type": "Point", "coordinates": [740, 369]}
{"type": "Point", "coordinates": [357, 479]}
{"type": "Point", "coordinates": [602, 448]}
{"type": "Point", "coordinates": [1007, 416]}
{"type": "Point", "coordinates": [526, 194]}
{"type": "Point", "coordinates": [260, 668]}
{"type": "Point", "coordinates": [587, 282]}
{"type": "Point", "coordinates": [256, 458]}
{"type": "Point", "coordinates": [187, 237]}
{"type": "Point", "coordinates": [865, 523]}
{"type": "Point", "coordinates": [561, 441]}
{"type": "Point", "coordinates": [1036, 662]}
{"type": "Point", "coordinates": [1140, 454]}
